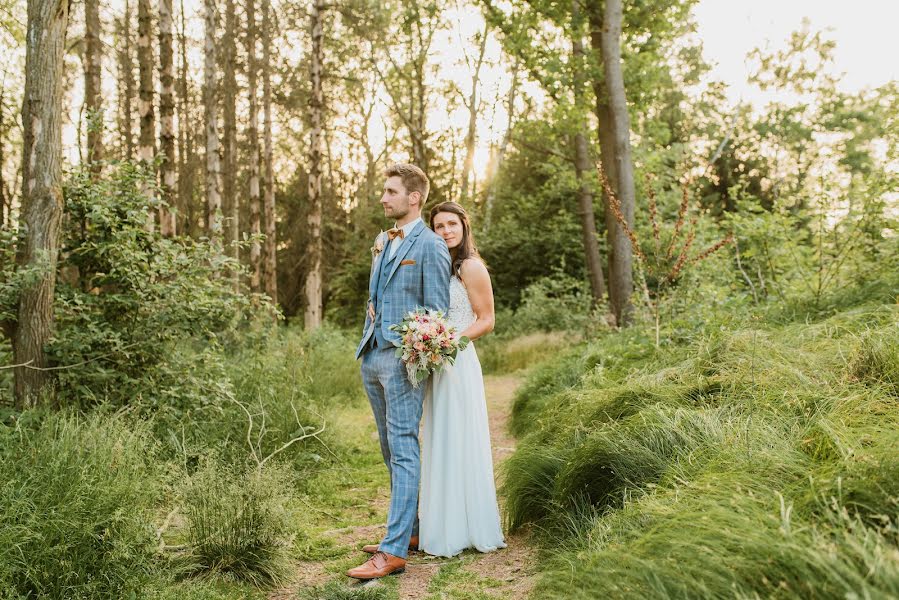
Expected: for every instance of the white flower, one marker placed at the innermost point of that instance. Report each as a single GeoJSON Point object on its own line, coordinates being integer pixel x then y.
{"type": "Point", "coordinates": [379, 245]}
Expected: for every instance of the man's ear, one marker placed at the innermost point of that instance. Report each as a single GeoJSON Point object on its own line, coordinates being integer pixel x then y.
{"type": "Point", "coordinates": [417, 196]}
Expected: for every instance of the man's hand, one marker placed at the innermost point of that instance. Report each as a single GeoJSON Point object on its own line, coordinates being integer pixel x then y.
{"type": "Point", "coordinates": [371, 311]}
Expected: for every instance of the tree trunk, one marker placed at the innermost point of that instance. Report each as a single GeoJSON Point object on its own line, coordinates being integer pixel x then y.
{"type": "Point", "coordinates": [185, 222]}
{"type": "Point", "coordinates": [271, 258]}
{"type": "Point", "coordinates": [471, 138]}
{"type": "Point", "coordinates": [210, 100]}
{"type": "Point", "coordinates": [230, 201]}
{"type": "Point", "coordinates": [614, 132]}
{"type": "Point", "coordinates": [42, 202]}
{"type": "Point", "coordinates": [501, 151]}
{"type": "Point", "coordinates": [147, 142]}
{"type": "Point", "coordinates": [316, 105]}
{"type": "Point", "coordinates": [126, 84]}
{"type": "Point", "coordinates": [3, 203]}
{"type": "Point", "coordinates": [167, 119]}
{"type": "Point", "coordinates": [253, 151]}
{"type": "Point", "coordinates": [93, 65]}
{"type": "Point", "coordinates": [583, 167]}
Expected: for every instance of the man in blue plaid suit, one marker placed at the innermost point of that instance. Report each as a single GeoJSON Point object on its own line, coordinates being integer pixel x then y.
{"type": "Point", "coordinates": [410, 270]}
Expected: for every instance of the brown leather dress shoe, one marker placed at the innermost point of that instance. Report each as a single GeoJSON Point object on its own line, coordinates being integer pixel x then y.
{"type": "Point", "coordinates": [372, 548]}
{"type": "Point", "coordinates": [379, 565]}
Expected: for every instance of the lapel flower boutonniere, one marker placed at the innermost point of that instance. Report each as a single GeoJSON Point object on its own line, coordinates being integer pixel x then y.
{"type": "Point", "coordinates": [379, 245]}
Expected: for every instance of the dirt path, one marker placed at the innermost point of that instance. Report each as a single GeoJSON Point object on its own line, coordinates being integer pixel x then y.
{"type": "Point", "coordinates": [506, 573]}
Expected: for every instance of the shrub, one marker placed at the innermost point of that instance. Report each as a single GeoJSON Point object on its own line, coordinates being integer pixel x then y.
{"type": "Point", "coordinates": [289, 384]}
{"type": "Point", "coordinates": [237, 524]}
{"type": "Point", "coordinates": [556, 303]}
{"type": "Point", "coordinates": [75, 501]}
{"type": "Point", "coordinates": [142, 316]}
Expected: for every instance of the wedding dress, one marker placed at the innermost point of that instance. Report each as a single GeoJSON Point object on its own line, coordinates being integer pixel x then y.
{"type": "Point", "coordinates": [458, 507]}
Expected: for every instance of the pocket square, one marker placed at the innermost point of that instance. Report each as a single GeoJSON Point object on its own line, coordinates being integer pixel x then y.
{"type": "Point", "coordinates": [407, 262]}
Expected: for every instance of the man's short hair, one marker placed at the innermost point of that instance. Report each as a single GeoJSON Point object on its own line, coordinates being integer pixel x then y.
{"type": "Point", "coordinates": [414, 179]}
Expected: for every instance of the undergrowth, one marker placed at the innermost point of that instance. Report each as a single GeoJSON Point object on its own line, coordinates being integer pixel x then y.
{"type": "Point", "coordinates": [752, 462]}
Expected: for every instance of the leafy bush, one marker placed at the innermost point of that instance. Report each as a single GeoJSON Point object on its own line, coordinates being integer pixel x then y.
{"type": "Point", "coordinates": [237, 524]}
{"type": "Point", "coordinates": [75, 506]}
{"type": "Point", "coordinates": [288, 384]}
{"type": "Point", "coordinates": [556, 303]}
{"type": "Point", "coordinates": [143, 317]}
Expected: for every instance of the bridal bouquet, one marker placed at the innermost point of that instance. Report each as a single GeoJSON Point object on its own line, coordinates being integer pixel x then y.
{"type": "Point", "coordinates": [428, 343]}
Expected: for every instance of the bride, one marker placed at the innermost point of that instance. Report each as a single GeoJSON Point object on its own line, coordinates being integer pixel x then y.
{"type": "Point", "coordinates": [458, 499]}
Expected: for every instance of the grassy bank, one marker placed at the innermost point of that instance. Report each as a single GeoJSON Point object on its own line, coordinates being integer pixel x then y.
{"type": "Point", "coordinates": [753, 462]}
{"type": "Point", "coordinates": [203, 503]}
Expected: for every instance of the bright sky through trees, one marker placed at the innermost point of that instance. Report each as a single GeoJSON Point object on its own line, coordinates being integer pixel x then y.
{"type": "Point", "coordinates": [866, 47]}
{"type": "Point", "coordinates": [864, 32]}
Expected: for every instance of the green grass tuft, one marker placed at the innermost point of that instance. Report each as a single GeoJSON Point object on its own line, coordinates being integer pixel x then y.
{"type": "Point", "coordinates": [76, 496]}
{"type": "Point", "coordinates": [237, 524]}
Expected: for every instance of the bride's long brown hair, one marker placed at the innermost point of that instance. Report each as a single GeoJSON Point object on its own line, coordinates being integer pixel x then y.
{"type": "Point", "coordinates": [466, 248]}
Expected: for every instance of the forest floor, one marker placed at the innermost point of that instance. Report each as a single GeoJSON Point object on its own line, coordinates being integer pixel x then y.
{"type": "Point", "coordinates": [349, 508]}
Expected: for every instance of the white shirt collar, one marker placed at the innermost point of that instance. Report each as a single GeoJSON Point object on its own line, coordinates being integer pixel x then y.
{"type": "Point", "coordinates": [408, 227]}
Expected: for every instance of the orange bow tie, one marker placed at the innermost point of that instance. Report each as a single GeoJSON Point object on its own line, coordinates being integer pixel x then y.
{"type": "Point", "coordinates": [393, 233]}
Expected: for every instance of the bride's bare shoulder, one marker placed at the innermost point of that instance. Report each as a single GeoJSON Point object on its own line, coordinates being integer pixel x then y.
{"type": "Point", "coordinates": [473, 269]}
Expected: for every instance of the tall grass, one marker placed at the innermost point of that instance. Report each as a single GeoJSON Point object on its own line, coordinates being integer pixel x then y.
{"type": "Point", "coordinates": [76, 496]}
{"type": "Point", "coordinates": [754, 463]}
{"type": "Point", "coordinates": [237, 524]}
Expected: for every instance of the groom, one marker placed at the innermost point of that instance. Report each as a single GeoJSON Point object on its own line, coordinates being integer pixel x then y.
{"type": "Point", "coordinates": [410, 270]}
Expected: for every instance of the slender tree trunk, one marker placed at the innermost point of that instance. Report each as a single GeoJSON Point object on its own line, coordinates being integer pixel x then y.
{"type": "Point", "coordinates": [147, 143]}
{"type": "Point", "coordinates": [501, 151]}
{"type": "Point", "coordinates": [316, 105]}
{"type": "Point", "coordinates": [126, 84]}
{"type": "Point", "coordinates": [230, 201]}
{"type": "Point", "coordinates": [621, 281]}
{"type": "Point", "coordinates": [167, 224]}
{"type": "Point", "coordinates": [210, 101]}
{"type": "Point", "coordinates": [271, 256]}
{"type": "Point", "coordinates": [185, 222]}
{"type": "Point", "coordinates": [3, 203]}
{"type": "Point", "coordinates": [473, 105]}
{"type": "Point", "coordinates": [615, 155]}
{"type": "Point", "coordinates": [93, 65]}
{"type": "Point", "coordinates": [583, 167]}
{"type": "Point", "coordinates": [253, 151]}
{"type": "Point", "coordinates": [42, 203]}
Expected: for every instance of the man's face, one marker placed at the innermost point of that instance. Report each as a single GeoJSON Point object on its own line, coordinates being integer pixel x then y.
{"type": "Point", "coordinates": [397, 202]}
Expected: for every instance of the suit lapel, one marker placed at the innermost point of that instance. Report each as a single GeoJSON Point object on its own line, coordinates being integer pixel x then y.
{"type": "Point", "coordinates": [404, 249]}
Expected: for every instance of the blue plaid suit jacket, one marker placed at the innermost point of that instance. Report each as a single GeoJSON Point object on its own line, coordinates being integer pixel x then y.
{"type": "Point", "coordinates": [417, 278]}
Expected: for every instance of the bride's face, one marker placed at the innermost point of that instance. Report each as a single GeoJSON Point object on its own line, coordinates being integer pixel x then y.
{"type": "Point", "coordinates": [449, 226]}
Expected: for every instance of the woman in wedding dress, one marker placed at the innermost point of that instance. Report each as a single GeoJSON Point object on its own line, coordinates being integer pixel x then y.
{"type": "Point", "coordinates": [458, 498]}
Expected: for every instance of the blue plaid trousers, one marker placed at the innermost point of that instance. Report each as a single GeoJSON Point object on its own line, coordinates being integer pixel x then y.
{"type": "Point", "coordinates": [397, 409]}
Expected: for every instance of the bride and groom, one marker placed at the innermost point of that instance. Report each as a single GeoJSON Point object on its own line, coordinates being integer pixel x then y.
{"type": "Point", "coordinates": [436, 268]}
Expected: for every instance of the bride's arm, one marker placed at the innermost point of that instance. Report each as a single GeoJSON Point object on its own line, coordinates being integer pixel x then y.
{"type": "Point", "coordinates": [480, 294]}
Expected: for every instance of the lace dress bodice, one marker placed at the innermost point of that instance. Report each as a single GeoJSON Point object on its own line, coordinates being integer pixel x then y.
{"type": "Point", "coordinates": [460, 314]}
